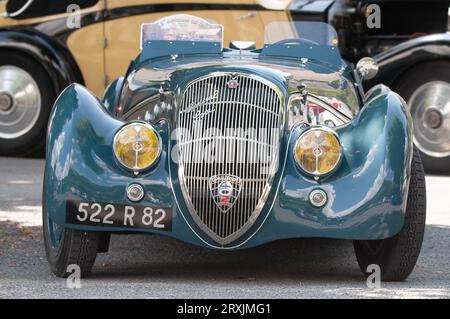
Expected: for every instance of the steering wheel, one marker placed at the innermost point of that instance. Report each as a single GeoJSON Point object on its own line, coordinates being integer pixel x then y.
{"type": "Point", "coordinates": [297, 41]}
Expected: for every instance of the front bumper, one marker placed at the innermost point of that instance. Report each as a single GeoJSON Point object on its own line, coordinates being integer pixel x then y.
{"type": "Point", "coordinates": [366, 195]}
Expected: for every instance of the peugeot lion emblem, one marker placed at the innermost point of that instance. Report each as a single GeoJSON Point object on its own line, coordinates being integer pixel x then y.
{"type": "Point", "coordinates": [225, 190]}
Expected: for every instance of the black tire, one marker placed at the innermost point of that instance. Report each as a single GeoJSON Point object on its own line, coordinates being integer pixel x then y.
{"type": "Point", "coordinates": [408, 84]}
{"type": "Point", "coordinates": [76, 247]}
{"type": "Point", "coordinates": [398, 255]}
{"type": "Point", "coordinates": [31, 143]}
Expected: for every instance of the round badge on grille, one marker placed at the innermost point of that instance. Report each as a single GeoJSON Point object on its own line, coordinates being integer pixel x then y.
{"type": "Point", "coordinates": [232, 84]}
{"type": "Point", "coordinates": [225, 190]}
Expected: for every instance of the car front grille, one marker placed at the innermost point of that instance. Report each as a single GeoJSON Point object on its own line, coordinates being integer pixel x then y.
{"type": "Point", "coordinates": [228, 135]}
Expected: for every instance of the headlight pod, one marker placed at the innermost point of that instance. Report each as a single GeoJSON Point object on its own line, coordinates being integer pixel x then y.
{"type": "Point", "coordinates": [137, 146]}
{"type": "Point", "coordinates": [318, 151]}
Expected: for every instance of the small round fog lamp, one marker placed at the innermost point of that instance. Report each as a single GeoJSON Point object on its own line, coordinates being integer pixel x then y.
{"type": "Point", "coordinates": [135, 192]}
{"type": "Point", "coordinates": [318, 198]}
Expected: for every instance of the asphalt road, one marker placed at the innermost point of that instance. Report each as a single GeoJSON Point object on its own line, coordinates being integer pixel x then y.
{"type": "Point", "coordinates": [158, 267]}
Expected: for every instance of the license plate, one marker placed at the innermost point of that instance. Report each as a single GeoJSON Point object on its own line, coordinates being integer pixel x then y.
{"type": "Point", "coordinates": [118, 215]}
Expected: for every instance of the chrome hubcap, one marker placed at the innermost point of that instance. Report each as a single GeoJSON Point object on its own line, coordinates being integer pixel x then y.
{"type": "Point", "coordinates": [20, 102]}
{"type": "Point", "coordinates": [430, 110]}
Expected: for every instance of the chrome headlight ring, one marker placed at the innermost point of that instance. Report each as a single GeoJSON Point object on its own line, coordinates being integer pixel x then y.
{"type": "Point", "coordinates": [144, 151]}
{"type": "Point", "coordinates": [318, 151]}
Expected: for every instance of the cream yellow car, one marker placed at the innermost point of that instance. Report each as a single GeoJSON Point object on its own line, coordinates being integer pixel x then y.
{"type": "Point", "coordinates": [46, 45]}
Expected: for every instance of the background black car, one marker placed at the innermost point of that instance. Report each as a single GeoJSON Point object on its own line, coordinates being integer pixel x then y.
{"type": "Point", "coordinates": [412, 47]}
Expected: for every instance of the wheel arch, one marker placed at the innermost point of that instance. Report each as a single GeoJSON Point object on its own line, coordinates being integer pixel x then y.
{"type": "Point", "coordinates": [56, 59]}
{"type": "Point", "coordinates": [395, 62]}
{"type": "Point", "coordinates": [395, 82]}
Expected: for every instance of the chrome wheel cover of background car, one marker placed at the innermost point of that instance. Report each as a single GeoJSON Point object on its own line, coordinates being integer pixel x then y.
{"type": "Point", "coordinates": [228, 101]}
{"type": "Point", "coordinates": [430, 110]}
{"type": "Point", "coordinates": [20, 102]}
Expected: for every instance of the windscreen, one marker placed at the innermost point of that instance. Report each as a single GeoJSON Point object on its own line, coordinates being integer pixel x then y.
{"type": "Point", "coordinates": [182, 27]}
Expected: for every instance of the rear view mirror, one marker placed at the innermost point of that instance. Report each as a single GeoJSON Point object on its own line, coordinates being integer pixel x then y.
{"type": "Point", "coordinates": [367, 68]}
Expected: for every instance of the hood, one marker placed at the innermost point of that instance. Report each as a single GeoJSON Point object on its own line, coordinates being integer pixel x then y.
{"type": "Point", "coordinates": [146, 80]}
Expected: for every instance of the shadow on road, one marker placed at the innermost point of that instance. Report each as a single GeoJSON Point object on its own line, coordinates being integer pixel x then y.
{"type": "Point", "coordinates": [307, 260]}
{"type": "Point", "coordinates": [152, 259]}
{"type": "Point", "coordinates": [287, 260]}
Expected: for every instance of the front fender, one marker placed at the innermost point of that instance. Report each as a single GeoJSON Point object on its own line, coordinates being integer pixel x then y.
{"type": "Point", "coordinates": [80, 163]}
{"type": "Point", "coordinates": [367, 194]}
{"type": "Point", "coordinates": [75, 145]}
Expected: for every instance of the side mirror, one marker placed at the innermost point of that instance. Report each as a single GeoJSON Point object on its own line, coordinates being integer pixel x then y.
{"type": "Point", "coordinates": [367, 68]}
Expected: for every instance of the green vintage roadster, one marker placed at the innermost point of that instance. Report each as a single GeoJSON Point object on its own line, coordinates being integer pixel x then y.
{"type": "Point", "coordinates": [230, 148]}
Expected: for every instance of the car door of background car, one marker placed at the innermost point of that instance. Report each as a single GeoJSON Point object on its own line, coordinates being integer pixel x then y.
{"type": "Point", "coordinates": [242, 20]}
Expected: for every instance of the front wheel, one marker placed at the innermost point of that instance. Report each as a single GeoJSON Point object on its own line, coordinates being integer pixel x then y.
{"type": "Point", "coordinates": [66, 247]}
{"type": "Point", "coordinates": [398, 255]}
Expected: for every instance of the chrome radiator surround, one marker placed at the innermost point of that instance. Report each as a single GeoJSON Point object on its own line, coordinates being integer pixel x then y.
{"type": "Point", "coordinates": [228, 101]}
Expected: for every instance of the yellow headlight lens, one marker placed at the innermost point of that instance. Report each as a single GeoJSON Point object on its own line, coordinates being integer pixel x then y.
{"type": "Point", "coordinates": [136, 146]}
{"type": "Point", "coordinates": [317, 151]}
